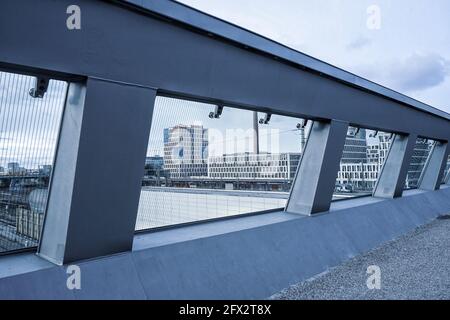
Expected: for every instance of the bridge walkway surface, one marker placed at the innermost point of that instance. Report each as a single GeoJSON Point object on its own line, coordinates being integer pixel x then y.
{"type": "Point", "coordinates": [414, 266]}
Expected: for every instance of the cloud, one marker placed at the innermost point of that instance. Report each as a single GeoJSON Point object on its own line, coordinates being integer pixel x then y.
{"type": "Point", "coordinates": [417, 72]}
{"type": "Point", "coordinates": [359, 43]}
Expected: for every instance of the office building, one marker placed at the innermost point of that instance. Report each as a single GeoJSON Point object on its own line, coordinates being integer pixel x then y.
{"type": "Point", "coordinates": [251, 166]}
{"type": "Point", "coordinates": [186, 151]}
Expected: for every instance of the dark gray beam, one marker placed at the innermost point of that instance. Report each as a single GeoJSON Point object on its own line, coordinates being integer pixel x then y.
{"type": "Point", "coordinates": [391, 179]}
{"type": "Point", "coordinates": [314, 183]}
{"type": "Point", "coordinates": [431, 178]}
{"type": "Point", "coordinates": [175, 59]}
{"type": "Point", "coordinates": [99, 164]}
{"type": "Point", "coordinates": [223, 29]}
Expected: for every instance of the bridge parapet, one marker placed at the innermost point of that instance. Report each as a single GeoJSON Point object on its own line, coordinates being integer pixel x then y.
{"type": "Point", "coordinates": [117, 79]}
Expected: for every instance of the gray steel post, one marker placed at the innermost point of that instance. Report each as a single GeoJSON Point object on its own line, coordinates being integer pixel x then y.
{"type": "Point", "coordinates": [391, 179]}
{"type": "Point", "coordinates": [255, 133]}
{"type": "Point", "coordinates": [99, 164]}
{"type": "Point", "coordinates": [431, 178]}
{"type": "Point", "coordinates": [314, 183]}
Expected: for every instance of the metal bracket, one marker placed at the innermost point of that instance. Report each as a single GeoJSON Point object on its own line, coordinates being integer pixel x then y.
{"type": "Point", "coordinates": [355, 132]}
{"type": "Point", "coordinates": [375, 134]}
{"type": "Point", "coordinates": [217, 112]}
{"type": "Point", "coordinates": [266, 119]}
{"type": "Point", "coordinates": [302, 124]}
{"type": "Point", "coordinates": [40, 87]}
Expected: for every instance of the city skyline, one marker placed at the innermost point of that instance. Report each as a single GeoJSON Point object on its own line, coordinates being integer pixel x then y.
{"type": "Point", "coordinates": [363, 157]}
{"type": "Point", "coordinates": [169, 112]}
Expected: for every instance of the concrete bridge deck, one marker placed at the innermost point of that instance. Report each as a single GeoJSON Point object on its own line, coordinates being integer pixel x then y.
{"type": "Point", "coordinates": [414, 266]}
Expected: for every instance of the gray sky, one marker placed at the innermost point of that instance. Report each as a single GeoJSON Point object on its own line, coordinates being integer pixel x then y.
{"type": "Point", "coordinates": [410, 52]}
{"type": "Point", "coordinates": [28, 126]}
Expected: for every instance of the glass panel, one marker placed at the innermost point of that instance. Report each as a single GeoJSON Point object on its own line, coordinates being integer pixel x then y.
{"type": "Point", "coordinates": [364, 154]}
{"type": "Point", "coordinates": [281, 142]}
{"type": "Point", "coordinates": [203, 165]}
{"type": "Point", "coordinates": [28, 135]}
{"type": "Point", "coordinates": [447, 169]}
{"type": "Point", "coordinates": [418, 160]}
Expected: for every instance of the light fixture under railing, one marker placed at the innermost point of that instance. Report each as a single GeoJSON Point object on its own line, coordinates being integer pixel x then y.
{"type": "Point", "coordinates": [266, 119]}
{"type": "Point", "coordinates": [40, 87]}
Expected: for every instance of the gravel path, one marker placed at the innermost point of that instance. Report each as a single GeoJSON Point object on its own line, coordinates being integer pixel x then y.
{"type": "Point", "coordinates": [415, 266]}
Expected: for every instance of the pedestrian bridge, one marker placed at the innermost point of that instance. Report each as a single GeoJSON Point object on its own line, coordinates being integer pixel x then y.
{"type": "Point", "coordinates": [322, 165]}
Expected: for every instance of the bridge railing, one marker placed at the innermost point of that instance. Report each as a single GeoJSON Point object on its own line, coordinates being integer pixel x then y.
{"type": "Point", "coordinates": [28, 137]}
{"type": "Point", "coordinates": [120, 78]}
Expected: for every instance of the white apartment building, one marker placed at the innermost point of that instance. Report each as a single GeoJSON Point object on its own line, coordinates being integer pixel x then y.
{"type": "Point", "coordinates": [252, 166]}
{"type": "Point", "coordinates": [363, 175]}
